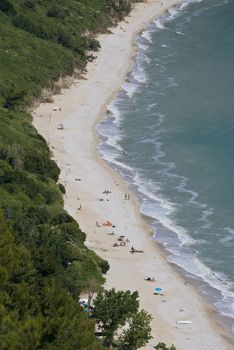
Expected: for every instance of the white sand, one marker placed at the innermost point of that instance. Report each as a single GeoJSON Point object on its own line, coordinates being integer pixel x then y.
{"type": "Point", "coordinates": [74, 150]}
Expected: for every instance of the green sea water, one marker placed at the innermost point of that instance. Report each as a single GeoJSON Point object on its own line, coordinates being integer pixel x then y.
{"type": "Point", "coordinates": [171, 135]}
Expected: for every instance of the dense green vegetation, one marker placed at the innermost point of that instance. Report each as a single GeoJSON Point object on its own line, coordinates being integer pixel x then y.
{"type": "Point", "coordinates": [36, 310]}
{"type": "Point", "coordinates": [123, 325]}
{"type": "Point", "coordinates": [44, 262]}
{"type": "Point", "coordinates": [41, 40]}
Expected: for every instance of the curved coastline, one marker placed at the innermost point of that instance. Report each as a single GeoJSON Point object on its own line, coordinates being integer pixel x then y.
{"type": "Point", "coordinates": [166, 233]}
{"type": "Point", "coordinates": [74, 149]}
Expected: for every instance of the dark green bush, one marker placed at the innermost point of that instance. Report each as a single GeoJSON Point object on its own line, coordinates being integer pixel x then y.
{"type": "Point", "coordinates": [93, 44]}
{"type": "Point", "coordinates": [105, 266]}
{"type": "Point", "coordinates": [14, 99]}
{"type": "Point", "coordinates": [56, 12]}
{"type": "Point", "coordinates": [62, 188]}
{"type": "Point", "coordinates": [6, 172]}
{"type": "Point", "coordinates": [30, 4]}
{"type": "Point", "coordinates": [7, 7]}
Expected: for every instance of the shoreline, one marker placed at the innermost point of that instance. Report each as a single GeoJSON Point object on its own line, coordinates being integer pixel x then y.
{"type": "Point", "coordinates": [74, 148]}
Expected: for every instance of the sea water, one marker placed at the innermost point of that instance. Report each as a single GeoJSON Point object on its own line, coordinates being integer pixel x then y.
{"type": "Point", "coordinates": [170, 133]}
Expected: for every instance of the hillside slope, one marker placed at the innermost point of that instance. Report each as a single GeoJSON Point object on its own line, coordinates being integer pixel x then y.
{"type": "Point", "coordinates": [44, 262]}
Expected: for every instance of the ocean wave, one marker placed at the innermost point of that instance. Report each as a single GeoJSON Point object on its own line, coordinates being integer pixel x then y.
{"type": "Point", "coordinates": [187, 3]}
{"type": "Point", "coordinates": [180, 33]}
{"type": "Point", "coordinates": [204, 218]}
{"type": "Point", "coordinates": [142, 46]}
{"type": "Point", "coordinates": [139, 75]}
{"type": "Point", "coordinates": [228, 237]}
{"type": "Point", "coordinates": [130, 88]}
{"type": "Point", "coordinates": [159, 23]}
{"type": "Point", "coordinates": [114, 111]}
{"type": "Point", "coordinates": [146, 35]}
{"type": "Point", "coordinates": [151, 106]}
{"type": "Point", "coordinates": [173, 11]}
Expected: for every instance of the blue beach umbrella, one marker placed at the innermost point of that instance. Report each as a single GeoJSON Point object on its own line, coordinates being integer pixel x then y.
{"type": "Point", "coordinates": [158, 289]}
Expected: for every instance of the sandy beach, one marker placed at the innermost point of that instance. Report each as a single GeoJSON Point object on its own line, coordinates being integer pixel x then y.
{"type": "Point", "coordinates": [87, 177]}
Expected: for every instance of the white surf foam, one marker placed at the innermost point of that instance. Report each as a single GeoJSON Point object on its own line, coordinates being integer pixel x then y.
{"type": "Point", "coordinates": [130, 88]}
{"type": "Point", "coordinates": [138, 73]}
{"type": "Point", "coordinates": [159, 24]}
{"type": "Point", "coordinates": [204, 218]}
{"type": "Point", "coordinates": [146, 35]}
{"type": "Point", "coordinates": [142, 46]}
{"type": "Point", "coordinates": [113, 108]}
{"type": "Point", "coordinates": [151, 106]}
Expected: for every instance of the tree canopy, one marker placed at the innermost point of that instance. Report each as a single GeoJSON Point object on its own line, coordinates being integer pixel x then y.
{"type": "Point", "coordinates": [117, 312]}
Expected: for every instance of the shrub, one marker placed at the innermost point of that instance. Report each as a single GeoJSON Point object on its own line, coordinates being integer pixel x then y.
{"type": "Point", "coordinates": [56, 12]}
{"type": "Point", "coordinates": [7, 7]}
{"type": "Point", "coordinates": [93, 44]}
{"type": "Point", "coordinates": [15, 99]}
{"type": "Point", "coordinates": [62, 188]}
{"type": "Point", "coordinates": [105, 266]}
{"type": "Point", "coordinates": [30, 4]}
{"type": "Point", "coordinates": [6, 172]}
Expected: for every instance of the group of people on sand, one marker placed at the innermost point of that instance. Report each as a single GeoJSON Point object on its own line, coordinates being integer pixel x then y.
{"type": "Point", "coordinates": [106, 192]}
{"type": "Point", "coordinates": [121, 242]}
{"type": "Point", "coordinates": [108, 223]}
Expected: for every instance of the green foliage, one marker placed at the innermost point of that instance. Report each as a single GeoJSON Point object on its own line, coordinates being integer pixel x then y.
{"type": "Point", "coordinates": [62, 188]}
{"type": "Point", "coordinates": [162, 346]}
{"type": "Point", "coordinates": [14, 99]}
{"type": "Point", "coordinates": [7, 7]}
{"type": "Point", "coordinates": [30, 4]}
{"type": "Point", "coordinates": [56, 12]}
{"type": "Point", "coordinates": [36, 311]}
{"type": "Point", "coordinates": [44, 245]}
{"type": "Point", "coordinates": [44, 264]}
{"type": "Point", "coordinates": [138, 333]}
{"type": "Point", "coordinates": [104, 266]}
{"type": "Point", "coordinates": [40, 41]}
{"type": "Point", "coordinates": [112, 309]}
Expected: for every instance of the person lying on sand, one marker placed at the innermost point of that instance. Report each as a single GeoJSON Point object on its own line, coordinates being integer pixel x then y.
{"type": "Point", "coordinates": [133, 250]}
{"type": "Point", "coordinates": [162, 295]}
{"type": "Point", "coordinates": [150, 279]}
